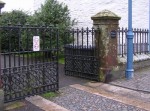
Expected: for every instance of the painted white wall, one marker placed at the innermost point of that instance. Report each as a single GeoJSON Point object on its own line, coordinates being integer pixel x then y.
{"type": "Point", "coordinates": [82, 10]}
{"type": "Point", "coordinates": [26, 5]}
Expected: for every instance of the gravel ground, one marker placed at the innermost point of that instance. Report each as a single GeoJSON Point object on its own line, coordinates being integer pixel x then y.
{"type": "Point", "coordinates": [78, 100]}
{"type": "Point", "coordinates": [139, 82]}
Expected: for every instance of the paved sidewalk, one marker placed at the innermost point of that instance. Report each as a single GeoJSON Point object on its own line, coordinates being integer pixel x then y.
{"type": "Point", "coordinates": [83, 98]}
{"type": "Point", "coordinates": [92, 96]}
{"type": "Point", "coordinates": [140, 82]}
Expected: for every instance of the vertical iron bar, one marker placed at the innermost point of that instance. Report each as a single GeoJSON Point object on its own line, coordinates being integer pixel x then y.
{"type": "Point", "coordinates": [50, 33]}
{"type": "Point", "coordinates": [22, 49]}
{"type": "Point", "coordinates": [10, 47]}
{"type": "Point", "coordinates": [122, 31]}
{"type": "Point", "coordinates": [27, 44]}
{"type": "Point", "coordinates": [73, 36]}
{"type": "Point", "coordinates": [9, 56]}
{"type": "Point", "coordinates": [57, 47]}
{"type": "Point", "coordinates": [125, 46]}
{"type": "Point", "coordinates": [14, 59]}
{"type": "Point", "coordinates": [43, 48]}
{"type": "Point", "coordinates": [19, 37]}
{"type": "Point", "coordinates": [137, 41]}
{"type": "Point", "coordinates": [143, 41]}
{"type": "Point", "coordinates": [5, 64]}
{"type": "Point", "coordinates": [147, 41]}
{"type": "Point", "coordinates": [87, 37]}
{"type": "Point", "coordinates": [92, 37]}
{"type": "Point", "coordinates": [82, 61]}
{"type": "Point", "coordinates": [119, 48]}
{"type": "Point", "coordinates": [36, 52]}
{"type": "Point", "coordinates": [140, 40]}
{"type": "Point", "coordinates": [77, 37]}
{"type": "Point", "coordinates": [82, 31]}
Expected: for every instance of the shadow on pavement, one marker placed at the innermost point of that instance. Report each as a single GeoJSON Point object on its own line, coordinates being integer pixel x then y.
{"type": "Point", "coordinates": [68, 80]}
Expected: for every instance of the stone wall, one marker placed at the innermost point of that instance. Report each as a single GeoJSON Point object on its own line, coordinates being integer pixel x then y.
{"type": "Point", "coordinates": [82, 10]}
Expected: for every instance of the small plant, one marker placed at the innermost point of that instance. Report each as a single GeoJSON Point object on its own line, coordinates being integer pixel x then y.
{"type": "Point", "coordinates": [62, 60]}
{"type": "Point", "coordinates": [49, 95]}
{"type": "Point", "coordinates": [102, 76]}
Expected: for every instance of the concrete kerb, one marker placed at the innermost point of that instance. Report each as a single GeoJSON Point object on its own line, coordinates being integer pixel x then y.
{"type": "Point", "coordinates": [45, 104]}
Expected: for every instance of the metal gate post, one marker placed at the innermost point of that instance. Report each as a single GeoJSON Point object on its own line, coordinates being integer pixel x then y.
{"type": "Point", "coordinates": [106, 41]}
{"type": "Point", "coordinates": [1, 6]}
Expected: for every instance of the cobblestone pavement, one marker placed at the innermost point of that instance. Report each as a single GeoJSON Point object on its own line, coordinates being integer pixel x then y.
{"type": "Point", "coordinates": [141, 81]}
{"type": "Point", "coordinates": [78, 100]}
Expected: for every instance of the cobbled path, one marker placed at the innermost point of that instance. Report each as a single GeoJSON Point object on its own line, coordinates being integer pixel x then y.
{"type": "Point", "coordinates": [141, 81]}
{"type": "Point", "coordinates": [79, 100]}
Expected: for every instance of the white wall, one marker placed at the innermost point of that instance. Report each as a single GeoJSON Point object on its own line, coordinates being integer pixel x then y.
{"type": "Point", "coordinates": [25, 5]}
{"type": "Point", "coordinates": [82, 10]}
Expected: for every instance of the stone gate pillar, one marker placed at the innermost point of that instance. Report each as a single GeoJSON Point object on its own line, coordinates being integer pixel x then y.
{"type": "Point", "coordinates": [107, 22]}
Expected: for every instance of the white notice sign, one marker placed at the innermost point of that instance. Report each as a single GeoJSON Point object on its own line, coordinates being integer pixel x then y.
{"type": "Point", "coordinates": [36, 43]}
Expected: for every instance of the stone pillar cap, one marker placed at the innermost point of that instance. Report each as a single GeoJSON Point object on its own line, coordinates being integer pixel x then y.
{"type": "Point", "coordinates": [1, 4]}
{"type": "Point", "coordinates": [105, 14]}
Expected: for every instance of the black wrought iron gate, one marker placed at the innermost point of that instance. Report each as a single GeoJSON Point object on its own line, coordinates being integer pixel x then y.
{"type": "Point", "coordinates": [82, 54]}
{"type": "Point", "coordinates": [29, 61]}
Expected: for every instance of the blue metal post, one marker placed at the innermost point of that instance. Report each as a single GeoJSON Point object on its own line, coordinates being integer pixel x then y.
{"type": "Point", "coordinates": [129, 67]}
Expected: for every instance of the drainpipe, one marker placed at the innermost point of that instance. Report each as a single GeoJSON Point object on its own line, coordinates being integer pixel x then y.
{"type": "Point", "coordinates": [129, 68]}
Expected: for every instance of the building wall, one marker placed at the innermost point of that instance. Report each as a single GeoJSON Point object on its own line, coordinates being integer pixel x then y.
{"type": "Point", "coordinates": [82, 10]}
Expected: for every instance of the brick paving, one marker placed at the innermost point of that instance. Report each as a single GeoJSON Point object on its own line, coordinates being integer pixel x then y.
{"type": "Point", "coordinates": [141, 81]}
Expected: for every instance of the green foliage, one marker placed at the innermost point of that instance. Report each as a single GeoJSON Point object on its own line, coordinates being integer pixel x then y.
{"type": "Point", "coordinates": [11, 36]}
{"type": "Point", "coordinates": [14, 17]}
{"type": "Point", "coordinates": [51, 13]}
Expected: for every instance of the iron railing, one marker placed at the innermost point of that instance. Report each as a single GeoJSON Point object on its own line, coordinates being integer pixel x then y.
{"type": "Point", "coordinates": [81, 58]}
{"type": "Point", "coordinates": [84, 37]}
{"type": "Point", "coordinates": [27, 71]}
{"type": "Point", "coordinates": [140, 41]}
